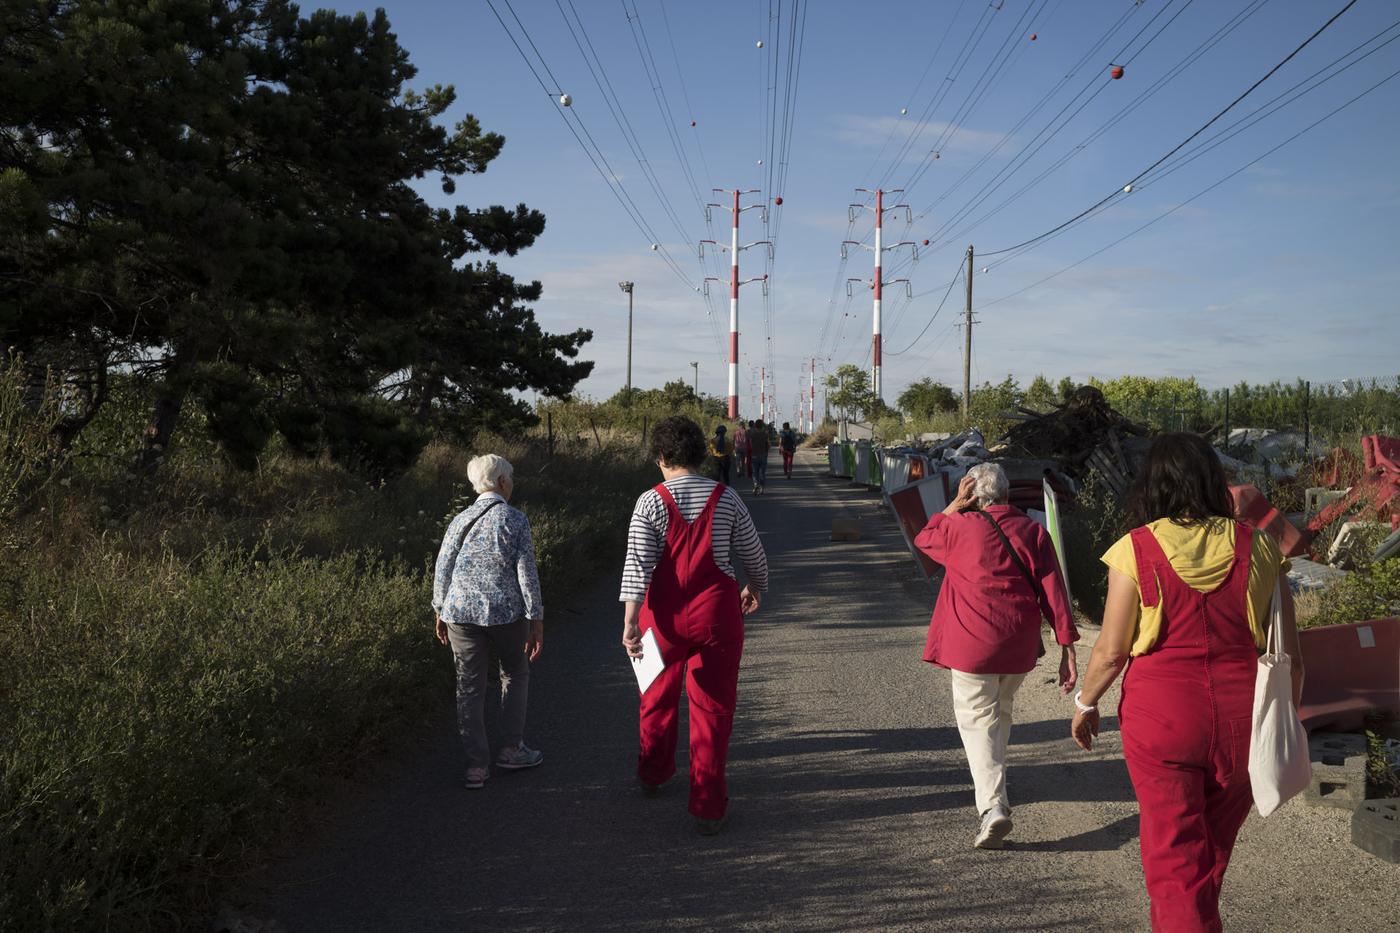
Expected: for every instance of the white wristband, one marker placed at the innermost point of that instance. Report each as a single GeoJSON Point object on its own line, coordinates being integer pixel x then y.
{"type": "Point", "coordinates": [1082, 707]}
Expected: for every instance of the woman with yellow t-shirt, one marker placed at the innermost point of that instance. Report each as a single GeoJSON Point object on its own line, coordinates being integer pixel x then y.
{"type": "Point", "coordinates": [1187, 613]}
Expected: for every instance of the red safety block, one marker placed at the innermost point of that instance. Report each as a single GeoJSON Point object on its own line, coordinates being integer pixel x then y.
{"type": "Point", "coordinates": [1381, 453]}
{"type": "Point", "coordinates": [913, 514]}
{"type": "Point", "coordinates": [1252, 508]}
{"type": "Point", "coordinates": [1351, 670]}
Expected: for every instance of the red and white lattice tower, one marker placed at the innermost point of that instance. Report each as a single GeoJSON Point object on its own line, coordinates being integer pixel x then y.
{"type": "Point", "coordinates": [812, 399]}
{"type": "Point", "coordinates": [734, 284]}
{"type": "Point", "coordinates": [877, 284]}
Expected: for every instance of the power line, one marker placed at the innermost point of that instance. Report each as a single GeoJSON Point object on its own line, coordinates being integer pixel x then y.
{"type": "Point", "coordinates": [956, 277]}
{"type": "Point", "coordinates": [1121, 190]}
{"type": "Point", "coordinates": [595, 154]}
{"type": "Point", "coordinates": [1204, 191]}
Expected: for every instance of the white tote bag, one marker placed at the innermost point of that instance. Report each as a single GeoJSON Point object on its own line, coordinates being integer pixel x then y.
{"type": "Point", "coordinates": [1279, 763]}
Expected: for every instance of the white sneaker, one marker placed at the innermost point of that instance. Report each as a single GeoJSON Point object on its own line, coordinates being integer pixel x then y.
{"type": "Point", "coordinates": [996, 826]}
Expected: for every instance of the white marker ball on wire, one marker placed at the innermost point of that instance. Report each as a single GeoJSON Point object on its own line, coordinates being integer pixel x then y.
{"type": "Point", "coordinates": [655, 247]}
{"type": "Point", "coordinates": [1128, 188]}
{"type": "Point", "coordinates": [759, 44]}
{"type": "Point", "coordinates": [984, 270]}
{"type": "Point", "coordinates": [566, 100]}
{"type": "Point", "coordinates": [903, 111]}
{"type": "Point", "coordinates": [760, 161]}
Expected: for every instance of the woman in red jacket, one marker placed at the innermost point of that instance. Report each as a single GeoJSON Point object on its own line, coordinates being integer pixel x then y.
{"type": "Point", "coordinates": [1189, 592]}
{"type": "Point", "coordinates": [1000, 577]}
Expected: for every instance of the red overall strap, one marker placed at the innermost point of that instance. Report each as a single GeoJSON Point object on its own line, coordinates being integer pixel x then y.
{"type": "Point", "coordinates": [1239, 569]}
{"type": "Point", "coordinates": [1150, 557]}
{"type": "Point", "coordinates": [675, 510]}
{"type": "Point", "coordinates": [672, 510]}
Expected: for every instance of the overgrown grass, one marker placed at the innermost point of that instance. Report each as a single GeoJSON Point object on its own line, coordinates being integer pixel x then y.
{"type": "Point", "coordinates": [182, 659]}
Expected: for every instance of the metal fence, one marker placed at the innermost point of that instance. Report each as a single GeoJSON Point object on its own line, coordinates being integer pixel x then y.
{"type": "Point", "coordinates": [1336, 412]}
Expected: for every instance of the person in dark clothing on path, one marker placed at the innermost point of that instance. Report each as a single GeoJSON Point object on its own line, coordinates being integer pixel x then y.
{"type": "Point", "coordinates": [758, 455]}
{"type": "Point", "coordinates": [787, 443]}
{"type": "Point", "coordinates": [720, 449]}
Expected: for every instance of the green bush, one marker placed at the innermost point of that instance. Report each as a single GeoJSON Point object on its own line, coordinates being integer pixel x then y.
{"type": "Point", "coordinates": [182, 659]}
{"type": "Point", "coordinates": [1372, 592]}
{"type": "Point", "coordinates": [1091, 526]}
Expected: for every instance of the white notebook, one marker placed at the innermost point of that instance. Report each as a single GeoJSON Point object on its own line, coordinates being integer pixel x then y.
{"type": "Point", "coordinates": [650, 665]}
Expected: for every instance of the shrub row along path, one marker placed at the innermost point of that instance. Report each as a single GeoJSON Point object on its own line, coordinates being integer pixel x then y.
{"type": "Point", "coordinates": [851, 803]}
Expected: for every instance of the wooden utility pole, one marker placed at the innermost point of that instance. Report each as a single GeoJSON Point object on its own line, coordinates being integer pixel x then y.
{"type": "Point", "coordinates": [967, 339]}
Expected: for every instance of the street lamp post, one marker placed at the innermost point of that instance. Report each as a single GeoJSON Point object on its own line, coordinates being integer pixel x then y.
{"type": "Point", "coordinates": [627, 287]}
{"type": "Point", "coordinates": [696, 366]}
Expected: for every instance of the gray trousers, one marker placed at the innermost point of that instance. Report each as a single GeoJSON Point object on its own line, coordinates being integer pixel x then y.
{"type": "Point", "coordinates": [471, 649]}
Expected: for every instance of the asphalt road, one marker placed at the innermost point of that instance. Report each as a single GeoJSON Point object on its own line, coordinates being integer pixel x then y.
{"type": "Point", "coordinates": [851, 803]}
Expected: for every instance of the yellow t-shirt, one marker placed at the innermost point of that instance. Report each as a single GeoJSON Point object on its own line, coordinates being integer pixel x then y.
{"type": "Point", "coordinates": [1201, 555]}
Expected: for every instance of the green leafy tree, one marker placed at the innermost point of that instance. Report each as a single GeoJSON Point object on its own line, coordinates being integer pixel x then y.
{"type": "Point", "coordinates": [926, 398]}
{"type": "Point", "coordinates": [1040, 396]}
{"type": "Point", "coordinates": [849, 391]}
{"type": "Point", "coordinates": [1065, 388]}
{"type": "Point", "coordinates": [219, 199]}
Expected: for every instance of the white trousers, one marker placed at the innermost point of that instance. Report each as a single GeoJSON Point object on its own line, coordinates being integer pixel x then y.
{"type": "Point", "coordinates": [982, 706]}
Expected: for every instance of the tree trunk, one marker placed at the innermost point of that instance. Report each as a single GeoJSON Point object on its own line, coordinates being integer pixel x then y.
{"type": "Point", "coordinates": [155, 441]}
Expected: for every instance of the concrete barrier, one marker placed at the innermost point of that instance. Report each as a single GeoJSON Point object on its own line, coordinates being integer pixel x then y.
{"type": "Point", "coordinates": [1338, 770]}
{"type": "Point", "coordinates": [1375, 828]}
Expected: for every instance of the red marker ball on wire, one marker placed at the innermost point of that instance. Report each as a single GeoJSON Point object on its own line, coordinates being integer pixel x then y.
{"type": "Point", "coordinates": [1115, 72]}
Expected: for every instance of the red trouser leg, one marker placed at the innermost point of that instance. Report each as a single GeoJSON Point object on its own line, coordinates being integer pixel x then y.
{"type": "Point", "coordinates": [1227, 805]}
{"type": "Point", "coordinates": [659, 725]}
{"type": "Point", "coordinates": [1178, 854]}
{"type": "Point", "coordinates": [712, 684]}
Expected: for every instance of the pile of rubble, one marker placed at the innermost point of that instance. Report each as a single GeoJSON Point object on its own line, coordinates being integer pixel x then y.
{"type": "Point", "coordinates": [1083, 434]}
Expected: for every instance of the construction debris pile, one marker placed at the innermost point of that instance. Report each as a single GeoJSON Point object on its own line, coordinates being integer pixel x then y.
{"type": "Point", "coordinates": [1083, 434]}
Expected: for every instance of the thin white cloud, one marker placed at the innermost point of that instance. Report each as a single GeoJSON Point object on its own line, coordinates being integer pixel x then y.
{"type": "Point", "coordinates": [872, 132]}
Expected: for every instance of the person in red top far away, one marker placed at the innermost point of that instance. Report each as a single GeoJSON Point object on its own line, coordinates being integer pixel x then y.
{"type": "Point", "coordinates": [986, 625]}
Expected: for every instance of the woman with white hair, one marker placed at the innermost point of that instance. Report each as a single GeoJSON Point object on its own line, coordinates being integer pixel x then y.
{"type": "Point", "coordinates": [486, 593]}
{"type": "Point", "coordinates": [1000, 577]}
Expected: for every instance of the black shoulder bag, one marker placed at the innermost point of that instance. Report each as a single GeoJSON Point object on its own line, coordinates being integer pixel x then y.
{"type": "Point", "coordinates": [1021, 566]}
{"type": "Point", "coordinates": [462, 540]}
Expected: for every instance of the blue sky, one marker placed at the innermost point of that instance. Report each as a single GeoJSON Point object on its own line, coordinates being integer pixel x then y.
{"type": "Point", "coordinates": [1285, 271]}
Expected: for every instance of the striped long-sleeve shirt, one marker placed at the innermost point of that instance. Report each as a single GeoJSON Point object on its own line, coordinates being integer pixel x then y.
{"type": "Point", "coordinates": [732, 527]}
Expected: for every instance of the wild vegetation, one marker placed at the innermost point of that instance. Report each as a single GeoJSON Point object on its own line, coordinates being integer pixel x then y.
{"type": "Point", "coordinates": [184, 656]}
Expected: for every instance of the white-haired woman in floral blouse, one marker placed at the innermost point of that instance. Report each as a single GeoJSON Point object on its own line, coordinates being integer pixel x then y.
{"type": "Point", "coordinates": [486, 592]}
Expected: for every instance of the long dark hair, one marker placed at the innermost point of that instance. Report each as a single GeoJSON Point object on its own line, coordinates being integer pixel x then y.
{"type": "Point", "coordinates": [1181, 480]}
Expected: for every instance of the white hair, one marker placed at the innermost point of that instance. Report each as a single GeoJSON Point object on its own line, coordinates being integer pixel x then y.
{"type": "Point", "coordinates": [486, 472]}
{"type": "Point", "coordinates": [989, 484]}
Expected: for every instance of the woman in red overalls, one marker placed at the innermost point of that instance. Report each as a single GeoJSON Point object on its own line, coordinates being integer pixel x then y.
{"type": "Point", "coordinates": [678, 583]}
{"type": "Point", "coordinates": [1188, 602]}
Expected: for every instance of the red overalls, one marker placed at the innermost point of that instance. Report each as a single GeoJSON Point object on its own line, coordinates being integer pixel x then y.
{"type": "Point", "coordinates": [693, 607]}
{"type": "Point", "coordinates": [1185, 718]}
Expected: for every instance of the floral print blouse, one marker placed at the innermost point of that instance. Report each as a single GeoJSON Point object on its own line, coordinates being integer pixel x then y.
{"type": "Point", "coordinates": [488, 578]}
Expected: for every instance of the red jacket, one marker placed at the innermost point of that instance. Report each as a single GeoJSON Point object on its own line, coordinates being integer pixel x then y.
{"type": "Point", "coordinates": [987, 617]}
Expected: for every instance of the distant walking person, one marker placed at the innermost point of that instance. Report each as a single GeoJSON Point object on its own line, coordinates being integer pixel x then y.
{"type": "Point", "coordinates": [758, 454]}
{"type": "Point", "coordinates": [787, 443]}
{"type": "Point", "coordinates": [486, 594]}
{"type": "Point", "coordinates": [741, 449]}
{"type": "Point", "coordinates": [1001, 577]}
{"type": "Point", "coordinates": [720, 450]}
{"type": "Point", "coordinates": [1189, 592]}
{"type": "Point", "coordinates": [678, 583]}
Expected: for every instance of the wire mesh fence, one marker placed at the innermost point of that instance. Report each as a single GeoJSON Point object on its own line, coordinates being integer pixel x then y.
{"type": "Point", "coordinates": [1327, 413]}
